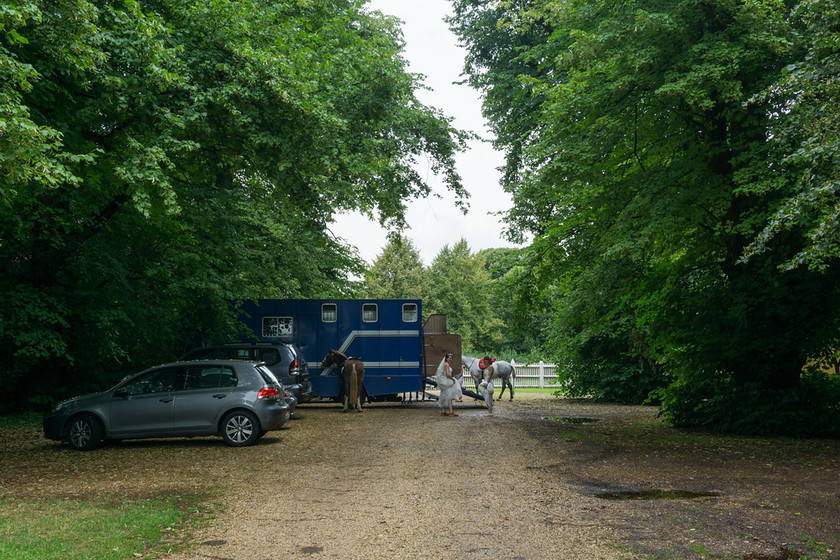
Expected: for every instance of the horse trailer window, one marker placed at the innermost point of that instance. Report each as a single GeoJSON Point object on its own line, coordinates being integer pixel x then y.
{"type": "Point", "coordinates": [409, 313]}
{"type": "Point", "coordinates": [275, 327]}
{"type": "Point", "coordinates": [369, 313]}
{"type": "Point", "coordinates": [329, 313]}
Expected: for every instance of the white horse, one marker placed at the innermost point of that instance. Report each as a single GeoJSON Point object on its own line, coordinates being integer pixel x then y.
{"type": "Point", "coordinates": [501, 370]}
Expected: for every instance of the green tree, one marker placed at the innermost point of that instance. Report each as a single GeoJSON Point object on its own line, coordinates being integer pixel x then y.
{"type": "Point", "coordinates": [190, 153]}
{"type": "Point", "coordinates": [642, 173]}
{"type": "Point", "coordinates": [524, 316]}
{"type": "Point", "coordinates": [460, 287]}
{"type": "Point", "coordinates": [31, 153]}
{"type": "Point", "coordinates": [809, 123]}
{"type": "Point", "coordinates": [397, 273]}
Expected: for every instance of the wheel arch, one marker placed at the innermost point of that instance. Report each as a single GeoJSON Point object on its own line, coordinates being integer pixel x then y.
{"type": "Point", "coordinates": [220, 424]}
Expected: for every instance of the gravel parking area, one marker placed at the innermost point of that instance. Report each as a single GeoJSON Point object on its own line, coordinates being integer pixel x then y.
{"type": "Point", "coordinates": [537, 479]}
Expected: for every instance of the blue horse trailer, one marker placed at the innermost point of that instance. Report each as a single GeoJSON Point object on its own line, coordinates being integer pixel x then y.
{"type": "Point", "coordinates": [386, 334]}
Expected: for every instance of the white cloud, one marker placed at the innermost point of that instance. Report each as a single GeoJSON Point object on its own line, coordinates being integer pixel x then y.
{"type": "Point", "coordinates": [432, 50]}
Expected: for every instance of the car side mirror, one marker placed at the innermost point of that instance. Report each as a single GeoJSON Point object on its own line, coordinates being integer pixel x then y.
{"type": "Point", "coordinates": [121, 392]}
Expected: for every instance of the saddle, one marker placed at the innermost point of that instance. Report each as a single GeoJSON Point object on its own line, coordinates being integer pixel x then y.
{"type": "Point", "coordinates": [482, 365]}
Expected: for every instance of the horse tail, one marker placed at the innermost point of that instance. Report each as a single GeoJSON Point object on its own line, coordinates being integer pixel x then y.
{"type": "Point", "coordinates": [354, 385]}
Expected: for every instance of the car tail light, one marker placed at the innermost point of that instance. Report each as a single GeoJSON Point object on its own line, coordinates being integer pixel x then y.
{"type": "Point", "coordinates": [293, 367]}
{"type": "Point", "coordinates": [268, 393]}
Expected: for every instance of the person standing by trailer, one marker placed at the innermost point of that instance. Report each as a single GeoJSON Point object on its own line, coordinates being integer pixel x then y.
{"type": "Point", "coordinates": [450, 389]}
{"type": "Point", "coordinates": [485, 388]}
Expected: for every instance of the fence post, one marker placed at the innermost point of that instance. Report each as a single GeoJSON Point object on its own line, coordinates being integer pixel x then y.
{"type": "Point", "coordinates": [513, 363]}
{"type": "Point", "coordinates": [542, 374]}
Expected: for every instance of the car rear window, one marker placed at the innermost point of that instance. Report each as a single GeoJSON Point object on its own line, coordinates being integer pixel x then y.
{"type": "Point", "coordinates": [238, 353]}
{"type": "Point", "coordinates": [267, 376]}
{"type": "Point", "coordinates": [268, 355]}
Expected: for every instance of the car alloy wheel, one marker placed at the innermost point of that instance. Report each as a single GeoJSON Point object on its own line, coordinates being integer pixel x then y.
{"type": "Point", "coordinates": [240, 429]}
{"type": "Point", "coordinates": [85, 433]}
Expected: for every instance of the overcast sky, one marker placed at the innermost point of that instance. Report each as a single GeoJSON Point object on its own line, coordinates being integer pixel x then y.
{"type": "Point", "coordinates": [432, 50]}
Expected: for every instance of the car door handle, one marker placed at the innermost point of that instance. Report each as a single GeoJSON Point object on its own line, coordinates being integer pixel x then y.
{"type": "Point", "coordinates": [219, 395]}
{"type": "Point", "coordinates": [166, 400]}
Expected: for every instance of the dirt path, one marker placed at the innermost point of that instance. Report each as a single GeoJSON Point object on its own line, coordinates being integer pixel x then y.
{"type": "Point", "coordinates": [400, 481]}
{"type": "Point", "coordinates": [403, 483]}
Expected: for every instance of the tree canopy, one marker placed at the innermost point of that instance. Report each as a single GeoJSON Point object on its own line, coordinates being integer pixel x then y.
{"type": "Point", "coordinates": [397, 273]}
{"type": "Point", "coordinates": [660, 154]}
{"type": "Point", "coordinates": [161, 158]}
{"type": "Point", "coordinates": [476, 291]}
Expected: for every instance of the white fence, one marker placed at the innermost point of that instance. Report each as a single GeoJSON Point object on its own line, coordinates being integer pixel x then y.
{"type": "Point", "coordinates": [527, 376]}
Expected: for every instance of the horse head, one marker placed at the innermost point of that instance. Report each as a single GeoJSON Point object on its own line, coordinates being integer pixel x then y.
{"type": "Point", "coordinates": [334, 358]}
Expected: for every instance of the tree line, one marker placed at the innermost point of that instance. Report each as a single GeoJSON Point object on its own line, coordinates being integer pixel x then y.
{"type": "Point", "coordinates": [677, 166]}
{"type": "Point", "coordinates": [674, 164]}
{"type": "Point", "coordinates": [160, 158]}
{"type": "Point", "coordinates": [475, 290]}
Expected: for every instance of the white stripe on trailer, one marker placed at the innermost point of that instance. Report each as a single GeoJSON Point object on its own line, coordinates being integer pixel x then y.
{"type": "Point", "coordinates": [398, 365]}
{"type": "Point", "coordinates": [377, 334]}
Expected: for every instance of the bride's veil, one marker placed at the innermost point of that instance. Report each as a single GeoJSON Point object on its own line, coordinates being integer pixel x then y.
{"type": "Point", "coordinates": [439, 370]}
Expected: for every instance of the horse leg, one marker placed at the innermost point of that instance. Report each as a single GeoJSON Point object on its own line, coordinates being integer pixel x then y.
{"type": "Point", "coordinates": [346, 402]}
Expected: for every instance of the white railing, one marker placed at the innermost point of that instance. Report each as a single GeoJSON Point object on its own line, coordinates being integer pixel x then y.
{"type": "Point", "coordinates": [528, 376]}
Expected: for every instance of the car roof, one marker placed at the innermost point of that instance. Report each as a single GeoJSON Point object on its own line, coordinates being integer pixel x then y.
{"type": "Point", "coordinates": [212, 361]}
{"type": "Point", "coordinates": [252, 344]}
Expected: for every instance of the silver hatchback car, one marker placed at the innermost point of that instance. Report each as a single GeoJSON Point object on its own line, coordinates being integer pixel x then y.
{"type": "Point", "coordinates": [240, 401]}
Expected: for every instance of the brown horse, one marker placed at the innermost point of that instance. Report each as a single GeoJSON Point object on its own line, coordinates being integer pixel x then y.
{"type": "Point", "coordinates": [352, 373]}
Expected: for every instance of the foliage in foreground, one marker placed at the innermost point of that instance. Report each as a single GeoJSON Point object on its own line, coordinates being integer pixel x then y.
{"type": "Point", "coordinates": [722, 404]}
{"type": "Point", "coordinates": [676, 165]}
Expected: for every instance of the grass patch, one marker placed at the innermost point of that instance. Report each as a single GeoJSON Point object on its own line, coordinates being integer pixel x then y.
{"type": "Point", "coordinates": [542, 391]}
{"type": "Point", "coordinates": [818, 550]}
{"type": "Point", "coordinates": [25, 420]}
{"type": "Point", "coordinates": [47, 529]}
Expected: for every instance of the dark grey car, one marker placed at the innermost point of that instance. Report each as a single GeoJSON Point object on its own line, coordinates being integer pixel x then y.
{"type": "Point", "coordinates": [240, 401]}
{"type": "Point", "coordinates": [284, 359]}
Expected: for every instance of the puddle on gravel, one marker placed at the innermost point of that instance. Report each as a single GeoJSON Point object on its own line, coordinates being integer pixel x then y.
{"type": "Point", "coordinates": [783, 554]}
{"type": "Point", "coordinates": [572, 419]}
{"type": "Point", "coordinates": [654, 495]}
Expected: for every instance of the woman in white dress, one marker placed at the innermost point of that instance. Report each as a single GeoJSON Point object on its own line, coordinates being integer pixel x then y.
{"type": "Point", "coordinates": [450, 389]}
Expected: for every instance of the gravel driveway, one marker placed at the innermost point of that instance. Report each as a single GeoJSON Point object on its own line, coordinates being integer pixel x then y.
{"type": "Point", "coordinates": [529, 482]}
{"type": "Point", "coordinates": [401, 482]}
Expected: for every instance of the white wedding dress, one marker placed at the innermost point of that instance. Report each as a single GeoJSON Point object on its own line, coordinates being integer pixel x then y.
{"type": "Point", "coordinates": [450, 389]}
